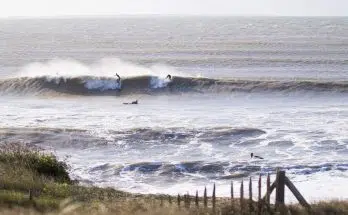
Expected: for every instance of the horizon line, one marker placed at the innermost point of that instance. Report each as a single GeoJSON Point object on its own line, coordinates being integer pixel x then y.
{"type": "Point", "coordinates": [165, 15]}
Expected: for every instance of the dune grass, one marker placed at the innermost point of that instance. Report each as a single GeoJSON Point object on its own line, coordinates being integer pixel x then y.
{"type": "Point", "coordinates": [33, 182]}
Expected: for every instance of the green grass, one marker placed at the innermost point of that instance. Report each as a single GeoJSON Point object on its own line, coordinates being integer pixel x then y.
{"type": "Point", "coordinates": [33, 182]}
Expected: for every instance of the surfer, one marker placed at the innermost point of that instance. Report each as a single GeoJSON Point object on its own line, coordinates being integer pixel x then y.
{"type": "Point", "coordinates": [131, 103]}
{"type": "Point", "coordinates": [118, 81]}
{"type": "Point", "coordinates": [169, 77]}
{"type": "Point", "coordinates": [255, 156]}
{"type": "Point", "coordinates": [118, 78]}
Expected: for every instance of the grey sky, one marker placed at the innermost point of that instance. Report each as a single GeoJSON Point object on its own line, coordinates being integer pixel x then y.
{"type": "Point", "coordinates": [10, 8]}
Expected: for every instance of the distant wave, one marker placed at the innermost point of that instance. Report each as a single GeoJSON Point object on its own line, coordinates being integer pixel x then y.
{"type": "Point", "coordinates": [91, 85]}
{"type": "Point", "coordinates": [137, 136]}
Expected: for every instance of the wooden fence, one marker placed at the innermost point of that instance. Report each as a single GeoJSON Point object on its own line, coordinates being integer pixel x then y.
{"type": "Point", "coordinates": [261, 206]}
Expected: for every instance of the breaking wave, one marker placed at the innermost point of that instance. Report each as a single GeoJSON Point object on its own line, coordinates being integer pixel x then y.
{"type": "Point", "coordinates": [225, 169]}
{"type": "Point", "coordinates": [145, 140]}
{"type": "Point", "coordinates": [92, 85]}
{"type": "Point", "coordinates": [211, 170]}
{"type": "Point", "coordinates": [137, 137]}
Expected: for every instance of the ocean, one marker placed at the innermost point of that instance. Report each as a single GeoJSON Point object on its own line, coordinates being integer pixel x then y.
{"type": "Point", "coordinates": [273, 86]}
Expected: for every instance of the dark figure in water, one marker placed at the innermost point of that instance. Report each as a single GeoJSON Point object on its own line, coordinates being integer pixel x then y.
{"type": "Point", "coordinates": [118, 78]}
{"type": "Point", "coordinates": [169, 77]}
{"type": "Point", "coordinates": [255, 156]}
{"type": "Point", "coordinates": [131, 103]}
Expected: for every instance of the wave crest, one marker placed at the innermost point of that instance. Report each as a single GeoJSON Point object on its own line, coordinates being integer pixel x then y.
{"type": "Point", "coordinates": [92, 85]}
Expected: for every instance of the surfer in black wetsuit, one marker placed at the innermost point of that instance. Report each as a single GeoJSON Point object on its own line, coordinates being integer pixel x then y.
{"type": "Point", "coordinates": [118, 78]}
{"type": "Point", "coordinates": [118, 81]}
{"type": "Point", "coordinates": [131, 103]}
{"type": "Point", "coordinates": [255, 156]}
{"type": "Point", "coordinates": [169, 77]}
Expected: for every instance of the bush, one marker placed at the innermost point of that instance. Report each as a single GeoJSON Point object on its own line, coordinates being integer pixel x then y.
{"type": "Point", "coordinates": [34, 160]}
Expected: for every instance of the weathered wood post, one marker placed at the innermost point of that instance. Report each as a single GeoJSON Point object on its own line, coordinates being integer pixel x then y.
{"type": "Point", "coordinates": [214, 197]}
{"type": "Point", "coordinates": [268, 194]}
{"type": "Point", "coordinates": [232, 196]}
{"type": "Point", "coordinates": [205, 198]}
{"type": "Point", "coordinates": [250, 195]}
{"type": "Point", "coordinates": [259, 202]}
{"type": "Point", "coordinates": [259, 186]}
{"type": "Point", "coordinates": [231, 190]}
{"type": "Point", "coordinates": [296, 193]}
{"type": "Point", "coordinates": [196, 199]}
{"type": "Point", "coordinates": [241, 196]}
{"type": "Point", "coordinates": [179, 200]}
{"type": "Point", "coordinates": [280, 188]}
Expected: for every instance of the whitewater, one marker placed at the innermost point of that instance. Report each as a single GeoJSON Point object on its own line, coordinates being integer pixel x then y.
{"type": "Point", "coordinates": [274, 86]}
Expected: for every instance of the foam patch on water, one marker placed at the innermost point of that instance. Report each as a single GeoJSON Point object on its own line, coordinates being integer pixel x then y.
{"type": "Point", "coordinates": [102, 85]}
{"type": "Point", "coordinates": [105, 67]}
{"type": "Point", "coordinates": [157, 82]}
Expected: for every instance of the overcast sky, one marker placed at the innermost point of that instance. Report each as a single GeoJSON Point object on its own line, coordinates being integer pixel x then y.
{"type": "Point", "coordinates": [12, 8]}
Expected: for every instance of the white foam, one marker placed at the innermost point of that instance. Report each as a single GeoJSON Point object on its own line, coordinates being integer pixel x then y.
{"type": "Point", "coordinates": [103, 85]}
{"type": "Point", "coordinates": [157, 82]}
{"type": "Point", "coordinates": [105, 67]}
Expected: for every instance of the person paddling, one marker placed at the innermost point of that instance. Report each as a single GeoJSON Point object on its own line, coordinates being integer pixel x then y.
{"type": "Point", "coordinates": [131, 103]}
{"type": "Point", "coordinates": [255, 156]}
{"type": "Point", "coordinates": [169, 77]}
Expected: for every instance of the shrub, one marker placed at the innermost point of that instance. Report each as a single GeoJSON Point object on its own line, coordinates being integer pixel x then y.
{"type": "Point", "coordinates": [34, 160]}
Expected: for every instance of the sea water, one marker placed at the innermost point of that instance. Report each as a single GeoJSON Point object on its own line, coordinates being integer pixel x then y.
{"type": "Point", "coordinates": [274, 86]}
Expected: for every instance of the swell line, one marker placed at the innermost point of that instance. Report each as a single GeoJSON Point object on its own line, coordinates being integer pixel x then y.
{"type": "Point", "coordinates": [92, 85]}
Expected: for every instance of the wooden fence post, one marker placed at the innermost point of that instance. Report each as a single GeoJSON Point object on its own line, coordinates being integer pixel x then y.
{"type": "Point", "coordinates": [196, 199]}
{"type": "Point", "coordinates": [259, 203]}
{"type": "Point", "coordinates": [296, 193]}
{"type": "Point", "coordinates": [250, 195]}
{"type": "Point", "coordinates": [241, 196]}
{"type": "Point", "coordinates": [268, 194]}
{"type": "Point", "coordinates": [280, 188]}
{"type": "Point", "coordinates": [214, 197]}
{"type": "Point", "coordinates": [259, 186]}
{"type": "Point", "coordinates": [205, 199]}
{"type": "Point", "coordinates": [179, 200]}
{"type": "Point", "coordinates": [231, 189]}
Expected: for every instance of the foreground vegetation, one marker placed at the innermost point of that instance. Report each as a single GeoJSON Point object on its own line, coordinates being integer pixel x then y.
{"type": "Point", "coordinates": [32, 182]}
